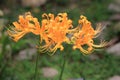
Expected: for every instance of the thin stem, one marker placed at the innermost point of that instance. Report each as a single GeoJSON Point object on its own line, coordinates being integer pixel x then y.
{"type": "Point", "coordinates": [63, 66]}
{"type": "Point", "coordinates": [36, 67]}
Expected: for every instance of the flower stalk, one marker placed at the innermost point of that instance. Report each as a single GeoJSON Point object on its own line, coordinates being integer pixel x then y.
{"type": "Point", "coordinates": [62, 67]}
{"type": "Point", "coordinates": [36, 66]}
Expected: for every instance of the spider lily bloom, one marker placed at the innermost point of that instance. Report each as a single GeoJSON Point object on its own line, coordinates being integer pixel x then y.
{"type": "Point", "coordinates": [54, 31]}
{"type": "Point", "coordinates": [84, 34]}
{"type": "Point", "coordinates": [25, 24]}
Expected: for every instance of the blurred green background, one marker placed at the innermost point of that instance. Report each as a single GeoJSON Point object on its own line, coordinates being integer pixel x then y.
{"type": "Point", "coordinates": [17, 59]}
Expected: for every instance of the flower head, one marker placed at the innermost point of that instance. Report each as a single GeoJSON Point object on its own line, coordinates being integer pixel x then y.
{"type": "Point", "coordinates": [54, 31]}
{"type": "Point", "coordinates": [83, 36]}
{"type": "Point", "coordinates": [25, 24]}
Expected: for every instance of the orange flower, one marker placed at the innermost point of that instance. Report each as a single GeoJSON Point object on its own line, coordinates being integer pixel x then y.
{"type": "Point", "coordinates": [25, 24]}
{"type": "Point", "coordinates": [83, 36]}
{"type": "Point", "coordinates": [54, 31]}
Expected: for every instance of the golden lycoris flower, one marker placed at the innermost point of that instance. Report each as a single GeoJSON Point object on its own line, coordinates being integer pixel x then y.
{"type": "Point", "coordinates": [25, 24]}
{"type": "Point", "coordinates": [83, 36]}
{"type": "Point", "coordinates": [54, 31]}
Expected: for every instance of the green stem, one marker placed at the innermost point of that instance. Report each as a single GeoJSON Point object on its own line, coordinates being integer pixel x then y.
{"type": "Point", "coordinates": [36, 68]}
{"type": "Point", "coordinates": [63, 67]}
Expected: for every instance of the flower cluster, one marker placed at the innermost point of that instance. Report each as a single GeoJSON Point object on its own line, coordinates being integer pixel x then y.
{"type": "Point", "coordinates": [55, 30]}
